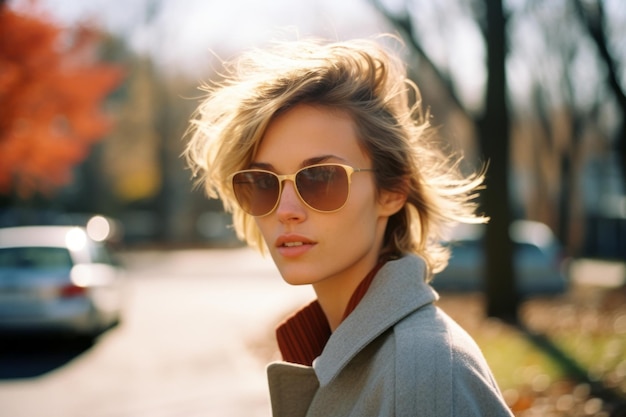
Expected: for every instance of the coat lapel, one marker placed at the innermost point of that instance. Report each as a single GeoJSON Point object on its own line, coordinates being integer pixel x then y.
{"type": "Point", "coordinates": [381, 308]}
{"type": "Point", "coordinates": [292, 388]}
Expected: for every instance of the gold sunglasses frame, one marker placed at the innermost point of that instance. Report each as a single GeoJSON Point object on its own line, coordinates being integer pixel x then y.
{"type": "Point", "coordinates": [292, 177]}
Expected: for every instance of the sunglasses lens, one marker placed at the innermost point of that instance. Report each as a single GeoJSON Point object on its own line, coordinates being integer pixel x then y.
{"type": "Point", "coordinates": [323, 187]}
{"type": "Point", "coordinates": [256, 191]}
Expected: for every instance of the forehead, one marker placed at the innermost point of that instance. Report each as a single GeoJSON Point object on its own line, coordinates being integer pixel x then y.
{"type": "Point", "coordinates": [307, 132]}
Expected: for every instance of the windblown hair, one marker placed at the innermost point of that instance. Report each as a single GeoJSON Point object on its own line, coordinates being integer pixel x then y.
{"type": "Point", "coordinates": [368, 83]}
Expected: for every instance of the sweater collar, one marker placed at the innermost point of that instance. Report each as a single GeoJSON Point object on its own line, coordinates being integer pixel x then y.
{"type": "Point", "coordinates": [302, 337]}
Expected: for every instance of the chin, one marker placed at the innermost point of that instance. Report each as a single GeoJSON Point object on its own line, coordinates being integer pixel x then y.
{"type": "Point", "coordinates": [296, 281]}
{"type": "Point", "coordinates": [293, 277]}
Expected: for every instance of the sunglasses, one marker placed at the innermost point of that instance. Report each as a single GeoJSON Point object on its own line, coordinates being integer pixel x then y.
{"type": "Point", "coordinates": [323, 187]}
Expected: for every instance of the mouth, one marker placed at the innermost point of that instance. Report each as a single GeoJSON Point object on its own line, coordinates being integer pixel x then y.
{"type": "Point", "coordinates": [292, 244]}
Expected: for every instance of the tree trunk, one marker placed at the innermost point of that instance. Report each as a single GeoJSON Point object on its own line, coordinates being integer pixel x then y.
{"type": "Point", "coordinates": [502, 299]}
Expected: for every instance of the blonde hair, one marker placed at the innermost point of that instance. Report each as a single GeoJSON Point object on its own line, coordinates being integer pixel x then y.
{"type": "Point", "coordinates": [358, 77]}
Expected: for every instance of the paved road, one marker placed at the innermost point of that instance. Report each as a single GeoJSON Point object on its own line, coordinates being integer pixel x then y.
{"type": "Point", "coordinates": [194, 342]}
{"type": "Point", "coordinates": [188, 346]}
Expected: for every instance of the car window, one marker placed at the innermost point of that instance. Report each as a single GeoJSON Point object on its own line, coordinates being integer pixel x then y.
{"type": "Point", "coordinates": [466, 248]}
{"type": "Point", "coordinates": [99, 254]}
{"type": "Point", "coordinates": [35, 258]}
{"type": "Point", "coordinates": [526, 249]}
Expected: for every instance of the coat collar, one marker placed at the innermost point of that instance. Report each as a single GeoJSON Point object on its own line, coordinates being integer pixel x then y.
{"type": "Point", "coordinates": [398, 290]}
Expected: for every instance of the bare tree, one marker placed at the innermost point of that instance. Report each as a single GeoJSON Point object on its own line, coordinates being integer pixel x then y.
{"type": "Point", "coordinates": [502, 299]}
{"type": "Point", "coordinates": [594, 18]}
{"type": "Point", "coordinates": [493, 128]}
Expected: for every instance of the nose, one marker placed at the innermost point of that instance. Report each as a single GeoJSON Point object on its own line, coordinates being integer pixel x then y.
{"type": "Point", "coordinates": [290, 207]}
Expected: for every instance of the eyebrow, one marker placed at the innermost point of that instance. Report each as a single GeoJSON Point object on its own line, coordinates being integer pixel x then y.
{"type": "Point", "coordinates": [307, 162]}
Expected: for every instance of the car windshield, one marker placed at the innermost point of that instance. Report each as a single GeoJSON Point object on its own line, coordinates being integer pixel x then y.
{"type": "Point", "coordinates": [35, 258]}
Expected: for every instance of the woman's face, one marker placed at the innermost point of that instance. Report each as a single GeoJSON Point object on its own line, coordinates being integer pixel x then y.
{"type": "Point", "coordinates": [335, 250]}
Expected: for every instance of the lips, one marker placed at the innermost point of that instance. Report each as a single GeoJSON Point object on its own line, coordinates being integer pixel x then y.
{"type": "Point", "coordinates": [293, 245]}
{"type": "Point", "coordinates": [290, 241]}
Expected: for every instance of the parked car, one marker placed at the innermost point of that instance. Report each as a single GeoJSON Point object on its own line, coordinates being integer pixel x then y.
{"type": "Point", "coordinates": [537, 260]}
{"type": "Point", "coordinates": [57, 280]}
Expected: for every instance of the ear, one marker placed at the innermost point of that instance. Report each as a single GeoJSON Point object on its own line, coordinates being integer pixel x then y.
{"type": "Point", "coordinates": [390, 202]}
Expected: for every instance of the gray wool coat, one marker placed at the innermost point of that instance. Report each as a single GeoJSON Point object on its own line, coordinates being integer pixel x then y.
{"type": "Point", "coordinates": [396, 354]}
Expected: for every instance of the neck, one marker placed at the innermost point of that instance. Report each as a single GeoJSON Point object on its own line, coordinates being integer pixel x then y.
{"type": "Point", "coordinates": [333, 304]}
{"type": "Point", "coordinates": [334, 294]}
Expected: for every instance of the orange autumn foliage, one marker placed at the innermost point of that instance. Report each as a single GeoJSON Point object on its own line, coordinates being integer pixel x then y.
{"type": "Point", "coordinates": [51, 91]}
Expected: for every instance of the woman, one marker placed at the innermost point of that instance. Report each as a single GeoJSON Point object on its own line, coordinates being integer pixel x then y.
{"type": "Point", "coordinates": [316, 150]}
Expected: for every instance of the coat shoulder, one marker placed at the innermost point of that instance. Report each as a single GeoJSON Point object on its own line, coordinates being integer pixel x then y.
{"type": "Point", "coordinates": [439, 360]}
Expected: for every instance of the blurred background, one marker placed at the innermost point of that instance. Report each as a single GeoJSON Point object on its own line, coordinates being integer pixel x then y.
{"type": "Point", "coordinates": [118, 81]}
{"type": "Point", "coordinates": [95, 99]}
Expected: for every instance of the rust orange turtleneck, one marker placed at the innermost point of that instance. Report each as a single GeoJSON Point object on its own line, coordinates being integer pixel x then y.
{"type": "Point", "coordinates": [302, 337]}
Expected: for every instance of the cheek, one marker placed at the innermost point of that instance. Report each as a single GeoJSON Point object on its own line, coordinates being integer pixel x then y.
{"type": "Point", "coordinates": [362, 202]}
{"type": "Point", "coordinates": [358, 219]}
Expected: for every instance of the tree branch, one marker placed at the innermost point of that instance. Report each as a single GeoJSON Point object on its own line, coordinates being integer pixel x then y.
{"type": "Point", "coordinates": [404, 26]}
{"type": "Point", "coordinates": [595, 26]}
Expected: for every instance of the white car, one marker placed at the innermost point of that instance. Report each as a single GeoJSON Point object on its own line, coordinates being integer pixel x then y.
{"type": "Point", "coordinates": [537, 260]}
{"type": "Point", "coordinates": [57, 280]}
